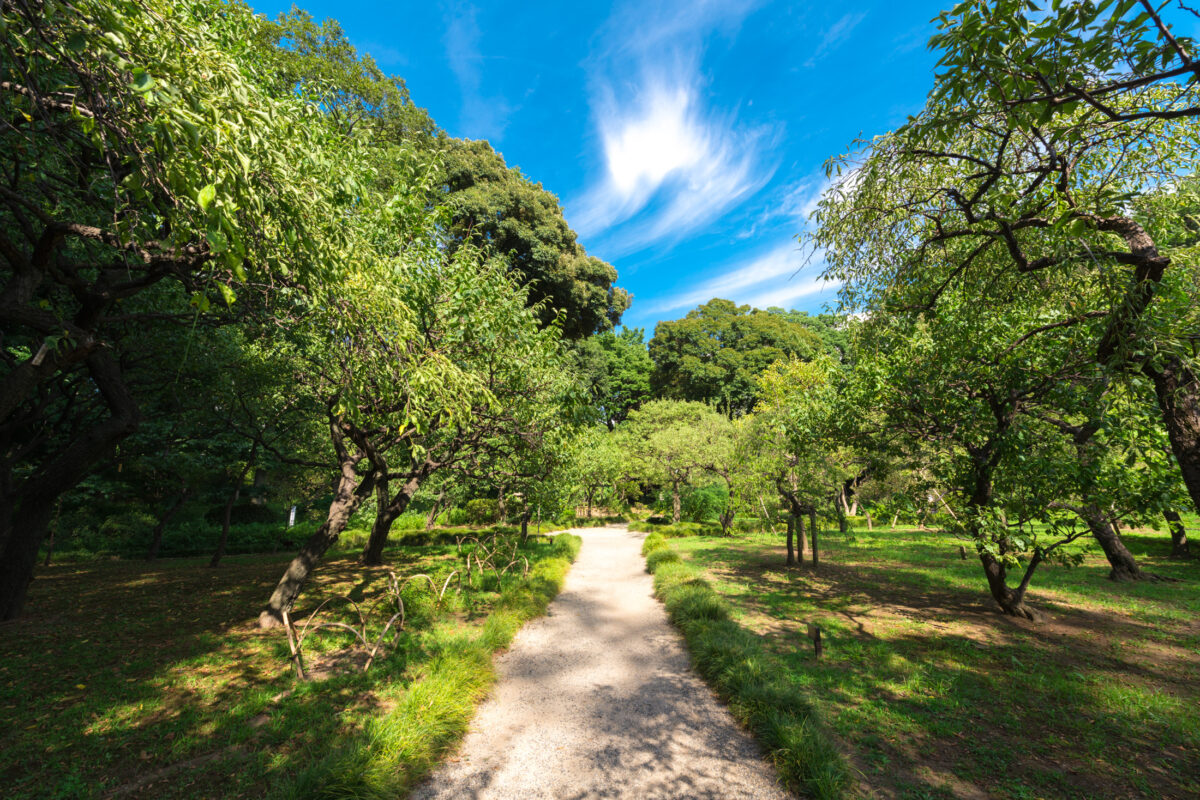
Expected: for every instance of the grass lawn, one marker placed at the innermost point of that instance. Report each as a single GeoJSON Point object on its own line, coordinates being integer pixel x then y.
{"type": "Point", "coordinates": [125, 679]}
{"type": "Point", "coordinates": [934, 695]}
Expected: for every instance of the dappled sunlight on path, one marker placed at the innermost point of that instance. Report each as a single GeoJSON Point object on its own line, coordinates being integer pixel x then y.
{"type": "Point", "coordinates": [597, 700]}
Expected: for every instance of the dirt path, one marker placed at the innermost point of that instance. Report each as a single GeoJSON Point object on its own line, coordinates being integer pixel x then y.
{"type": "Point", "coordinates": [597, 700]}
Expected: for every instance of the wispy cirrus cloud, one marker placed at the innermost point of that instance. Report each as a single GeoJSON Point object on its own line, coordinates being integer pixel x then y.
{"type": "Point", "coordinates": [838, 32]}
{"type": "Point", "coordinates": [781, 275]}
{"type": "Point", "coordinates": [671, 163]}
{"type": "Point", "coordinates": [481, 116]}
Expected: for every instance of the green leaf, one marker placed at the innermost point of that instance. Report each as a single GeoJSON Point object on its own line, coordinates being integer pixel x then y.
{"type": "Point", "coordinates": [142, 80]}
{"type": "Point", "coordinates": [205, 198]}
{"type": "Point", "coordinates": [227, 294]}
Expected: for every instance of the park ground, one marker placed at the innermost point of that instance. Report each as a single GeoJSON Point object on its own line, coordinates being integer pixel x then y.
{"type": "Point", "coordinates": [932, 694]}
{"type": "Point", "coordinates": [125, 679]}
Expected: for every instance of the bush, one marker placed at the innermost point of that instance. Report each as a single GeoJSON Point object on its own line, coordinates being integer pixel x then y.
{"type": "Point", "coordinates": [704, 503]}
{"type": "Point", "coordinates": [452, 517]}
{"type": "Point", "coordinates": [660, 555]}
{"type": "Point", "coordinates": [482, 511]}
{"type": "Point", "coordinates": [245, 513]}
{"type": "Point", "coordinates": [409, 521]}
{"type": "Point", "coordinates": [655, 541]}
{"type": "Point", "coordinates": [677, 530]}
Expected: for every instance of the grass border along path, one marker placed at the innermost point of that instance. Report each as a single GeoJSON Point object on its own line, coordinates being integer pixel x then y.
{"type": "Point", "coordinates": [760, 693]}
{"type": "Point", "coordinates": [428, 716]}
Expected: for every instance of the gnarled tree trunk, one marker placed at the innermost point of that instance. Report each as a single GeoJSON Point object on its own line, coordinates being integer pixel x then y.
{"type": "Point", "coordinates": [676, 503]}
{"type": "Point", "coordinates": [1124, 565]}
{"type": "Point", "coordinates": [1011, 601]}
{"type": "Point", "coordinates": [388, 511]}
{"type": "Point", "coordinates": [25, 508]}
{"type": "Point", "coordinates": [1178, 393]}
{"type": "Point", "coordinates": [352, 489]}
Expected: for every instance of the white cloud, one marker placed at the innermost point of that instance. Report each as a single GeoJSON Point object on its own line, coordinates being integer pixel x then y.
{"type": "Point", "coordinates": [837, 33]}
{"type": "Point", "coordinates": [788, 293]}
{"type": "Point", "coordinates": [671, 164]}
{"type": "Point", "coordinates": [775, 278]}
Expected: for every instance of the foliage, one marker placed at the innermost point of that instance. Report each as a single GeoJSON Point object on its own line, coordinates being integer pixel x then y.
{"type": "Point", "coordinates": [494, 206]}
{"type": "Point", "coordinates": [616, 370]}
{"type": "Point", "coordinates": [715, 353]}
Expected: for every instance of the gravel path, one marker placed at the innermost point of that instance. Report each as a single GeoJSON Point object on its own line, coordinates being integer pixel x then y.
{"type": "Point", "coordinates": [597, 700]}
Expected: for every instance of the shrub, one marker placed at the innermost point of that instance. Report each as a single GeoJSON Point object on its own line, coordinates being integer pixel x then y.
{"type": "Point", "coordinates": [452, 517]}
{"type": "Point", "coordinates": [704, 503]}
{"type": "Point", "coordinates": [482, 511]}
{"type": "Point", "coordinates": [661, 555]}
{"type": "Point", "coordinates": [245, 513]}
{"type": "Point", "coordinates": [409, 521]}
{"type": "Point", "coordinates": [654, 541]}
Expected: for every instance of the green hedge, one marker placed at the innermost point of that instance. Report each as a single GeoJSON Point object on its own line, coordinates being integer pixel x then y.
{"type": "Point", "coordinates": [759, 691]}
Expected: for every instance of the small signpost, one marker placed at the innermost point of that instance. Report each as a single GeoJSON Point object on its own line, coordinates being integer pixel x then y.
{"type": "Point", "coordinates": [814, 633]}
{"type": "Point", "coordinates": [292, 517]}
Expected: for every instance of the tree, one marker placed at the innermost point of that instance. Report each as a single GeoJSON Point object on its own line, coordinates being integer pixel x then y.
{"type": "Point", "coordinates": [716, 353]}
{"type": "Point", "coordinates": [494, 206]}
{"type": "Point", "coordinates": [1046, 151]}
{"type": "Point", "coordinates": [597, 464]}
{"type": "Point", "coordinates": [616, 370]}
{"type": "Point", "coordinates": [668, 443]}
{"type": "Point", "coordinates": [142, 149]}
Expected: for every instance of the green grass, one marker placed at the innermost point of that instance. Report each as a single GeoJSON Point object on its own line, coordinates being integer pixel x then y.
{"type": "Point", "coordinates": [758, 691]}
{"type": "Point", "coordinates": [933, 694]}
{"type": "Point", "coordinates": [153, 681]}
{"type": "Point", "coordinates": [677, 529]}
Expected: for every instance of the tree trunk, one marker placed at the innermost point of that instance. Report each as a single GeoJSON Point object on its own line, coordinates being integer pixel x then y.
{"type": "Point", "coordinates": [54, 533]}
{"type": "Point", "coordinates": [501, 509]}
{"type": "Point", "coordinates": [431, 520]}
{"type": "Point", "coordinates": [25, 511]}
{"type": "Point", "coordinates": [352, 490]}
{"type": "Point", "coordinates": [1178, 393]}
{"type": "Point", "coordinates": [525, 524]}
{"type": "Point", "coordinates": [1010, 602]}
{"type": "Point", "coordinates": [676, 504]}
{"type": "Point", "coordinates": [812, 524]}
{"type": "Point", "coordinates": [1124, 566]}
{"type": "Point", "coordinates": [801, 539]}
{"type": "Point", "coordinates": [1179, 540]}
{"type": "Point", "coordinates": [843, 526]}
{"type": "Point", "coordinates": [388, 512]}
{"type": "Point", "coordinates": [233, 498]}
{"type": "Point", "coordinates": [791, 527]}
{"type": "Point", "coordinates": [589, 503]}
{"type": "Point", "coordinates": [163, 519]}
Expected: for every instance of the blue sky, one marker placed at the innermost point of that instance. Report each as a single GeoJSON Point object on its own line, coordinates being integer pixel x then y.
{"type": "Point", "coordinates": [684, 139]}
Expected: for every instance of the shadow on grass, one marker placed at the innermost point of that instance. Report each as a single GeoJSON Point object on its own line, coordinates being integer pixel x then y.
{"type": "Point", "coordinates": [938, 695]}
{"type": "Point", "coordinates": [128, 679]}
